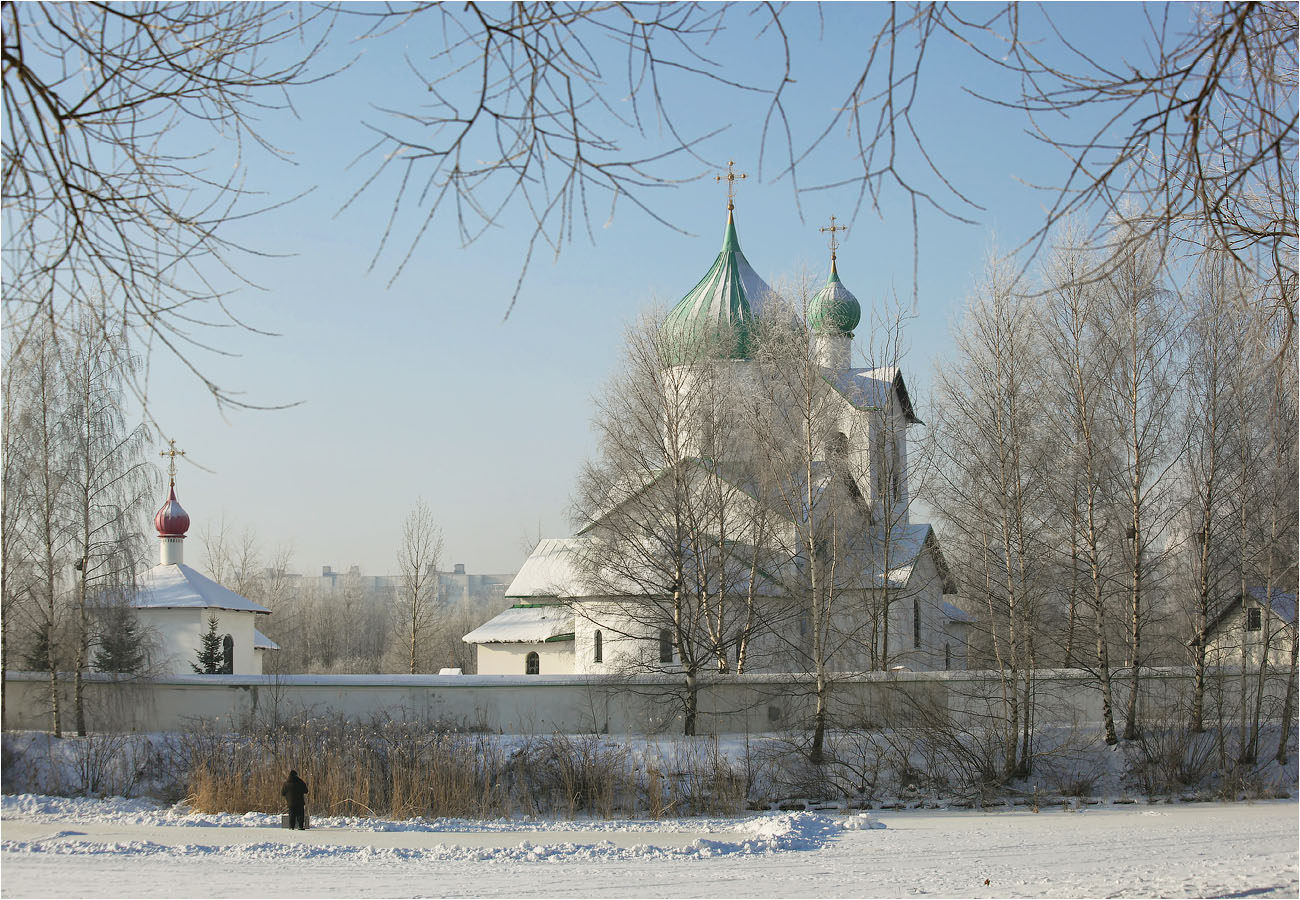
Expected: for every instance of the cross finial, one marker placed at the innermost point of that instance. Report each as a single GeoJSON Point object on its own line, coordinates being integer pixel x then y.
{"type": "Point", "coordinates": [172, 452]}
{"type": "Point", "coordinates": [835, 244]}
{"type": "Point", "coordinates": [730, 178]}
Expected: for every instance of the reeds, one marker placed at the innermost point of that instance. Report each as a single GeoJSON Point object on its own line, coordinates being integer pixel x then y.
{"type": "Point", "coordinates": [403, 769]}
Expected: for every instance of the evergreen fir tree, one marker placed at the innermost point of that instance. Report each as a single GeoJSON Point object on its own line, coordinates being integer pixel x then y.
{"type": "Point", "coordinates": [37, 657]}
{"type": "Point", "coordinates": [212, 659]}
{"type": "Point", "coordinates": [120, 649]}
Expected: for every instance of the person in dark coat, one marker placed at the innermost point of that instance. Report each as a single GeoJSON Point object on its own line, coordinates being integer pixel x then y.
{"type": "Point", "coordinates": [295, 791]}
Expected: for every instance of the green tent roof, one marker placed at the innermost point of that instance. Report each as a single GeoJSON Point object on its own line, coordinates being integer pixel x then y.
{"type": "Point", "coordinates": [717, 318]}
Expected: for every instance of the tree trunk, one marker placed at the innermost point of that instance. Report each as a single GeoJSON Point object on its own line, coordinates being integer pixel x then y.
{"type": "Point", "coordinates": [691, 704]}
{"type": "Point", "coordinates": [1288, 701]}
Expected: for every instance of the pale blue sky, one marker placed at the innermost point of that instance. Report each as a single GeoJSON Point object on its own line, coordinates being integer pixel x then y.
{"type": "Point", "coordinates": [421, 389]}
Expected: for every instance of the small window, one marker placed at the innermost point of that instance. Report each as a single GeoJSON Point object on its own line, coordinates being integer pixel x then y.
{"type": "Point", "coordinates": [532, 664]}
{"type": "Point", "coordinates": [947, 657]}
{"type": "Point", "coordinates": [227, 655]}
{"type": "Point", "coordinates": [916, 623]}
{"type": "Point", "coordinates": [599, 655]}
{"type": "Point", "coordinates": [665, 646]}
{"type": "Point", "coordinates": [1253, 620]}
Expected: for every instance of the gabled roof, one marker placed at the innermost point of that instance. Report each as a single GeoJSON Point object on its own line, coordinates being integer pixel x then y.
{"type": "Point", "coordinates": [525, 624]}
{"type": "Point", "coordinates": [551, 570]}
{"type": "Point", "coordinates": [1283, 603]}
{"type": "Point", "coordinates": [180, 587]}
{"type": "Point", "coordinates": [870, 389]}
{"type": "Point", "coordinates": [900, 548]}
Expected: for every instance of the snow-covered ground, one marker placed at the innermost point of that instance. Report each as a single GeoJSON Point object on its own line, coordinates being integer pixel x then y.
{"type": "Point", "coordinates": [126, 848]}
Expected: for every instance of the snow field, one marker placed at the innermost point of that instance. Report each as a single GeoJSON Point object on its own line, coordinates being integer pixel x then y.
{"type": "Point", "coordinates": [116, 848]}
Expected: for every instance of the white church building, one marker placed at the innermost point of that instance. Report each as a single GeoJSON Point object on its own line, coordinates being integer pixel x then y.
{"type": "Point", "coordinates": [581, 607]}
{"type": "Point", "coordinates": [174, 603]}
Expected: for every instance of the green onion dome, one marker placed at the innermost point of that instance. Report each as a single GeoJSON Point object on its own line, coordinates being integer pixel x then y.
{"type": "Point", "coordinates": [834, 310]}
{"type": "Point", "coordinates": [718, 317]}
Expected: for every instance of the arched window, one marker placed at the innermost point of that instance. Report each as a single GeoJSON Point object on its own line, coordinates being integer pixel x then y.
{"type": "Point", "coordinates": [228, 655]}
{"type": "Point", "coordinates": [665, 645]}
{"type": "Point", "coordinates": [532, 664]}
{"type": "Point", "coordinates": [599, 655]}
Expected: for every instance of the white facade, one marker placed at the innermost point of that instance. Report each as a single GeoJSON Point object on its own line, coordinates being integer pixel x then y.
{"type": "Point", "coordinates": [178, 635]}
{"type": "Point", "coordinates": [552, 658]}
{"type": "Point", "coordinates": [1247, 627]}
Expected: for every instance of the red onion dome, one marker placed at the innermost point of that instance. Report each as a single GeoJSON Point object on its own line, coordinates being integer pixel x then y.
{"type": "Point", "coordinates": [172, 520]}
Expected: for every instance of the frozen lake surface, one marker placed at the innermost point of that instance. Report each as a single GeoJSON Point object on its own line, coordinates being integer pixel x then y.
{"type": "Point", "coordinates": [115, 848]}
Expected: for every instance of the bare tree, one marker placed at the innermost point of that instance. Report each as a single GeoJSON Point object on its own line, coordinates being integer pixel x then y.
{"type": "Point", "coordinates": [418, 557]}
{"type": "Point", "coordinates": [669, 514]}
{"type": "Point", "coordinates": [39, 403]}
{"type": "Point", "coordinates": [522, 111]}
{"type": "Point", "coordinates": [1070, 328]}
{"type": "Point", "coordinates": [108, 483]}
{"type": "Point", "coordinates": [1140, 335]}
{"type": "Point", "coordinates": [1217, 341]}
{"type": "Point", "coordinates": [994, 454]}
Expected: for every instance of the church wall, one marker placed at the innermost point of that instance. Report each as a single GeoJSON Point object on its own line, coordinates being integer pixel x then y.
{"type": "Point", "coordinates": [177, 635]}
{"type": "Point", "coordinates": [1225, 644]}
{"type": "Point", "coordinates": [555, 658]}
{"type": "Point", "coordinates": [518, 704]}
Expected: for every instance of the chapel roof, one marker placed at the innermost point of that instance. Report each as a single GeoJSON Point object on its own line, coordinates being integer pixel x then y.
{"type": "Point", "coordinates": [525, 624]}
{"type": "Point", "coordinates": [262, 642]}
{"type": "Point", "coordinates": [178, 586]}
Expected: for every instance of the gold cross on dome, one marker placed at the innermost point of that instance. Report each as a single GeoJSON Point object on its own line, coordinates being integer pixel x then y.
{"type": "Point", "coordinates": [730, 178]}
{"type": "Point", "coordinates": [172, 452]}
{"type": "Point", "coordinates": [832, 228]}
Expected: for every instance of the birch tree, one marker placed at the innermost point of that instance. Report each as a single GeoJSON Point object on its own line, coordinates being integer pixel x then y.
{"type": "Point", "coordinates": [669, 515]}
{"type": "Point", "coordinates": [1139, 337]}
{"type": "Point", "coordinates": [418, 558]}
{"type": "Point", "coordinates": [1217, 342]}
{"type": "Point", "coordinates": [108, 485]}
{"type": "Point", "coordinates": [991, 488]}
{"type": "Point", "coordinates": [1075, 379]}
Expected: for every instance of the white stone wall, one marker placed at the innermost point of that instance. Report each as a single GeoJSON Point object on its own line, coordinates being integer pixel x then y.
{"type": "Point", "coordinates": [554, 658]}
{"type": "Point", "coordinates": [518, 704]}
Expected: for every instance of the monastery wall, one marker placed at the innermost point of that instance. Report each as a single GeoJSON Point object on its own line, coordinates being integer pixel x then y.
{"type": "Point", "coordinates": [577, 704]}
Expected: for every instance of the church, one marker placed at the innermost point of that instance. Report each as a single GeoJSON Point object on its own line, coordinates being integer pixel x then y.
{"type": "Point", "coordinates": [763, 528]}
{"type": "Point", "coordinates": [174, 604]}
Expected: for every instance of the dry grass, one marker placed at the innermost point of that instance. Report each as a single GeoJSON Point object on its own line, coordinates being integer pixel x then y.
{"type": "Point", "coordinates": [402, 769]}
{"type": "Point", "coordinates": [382, 767]}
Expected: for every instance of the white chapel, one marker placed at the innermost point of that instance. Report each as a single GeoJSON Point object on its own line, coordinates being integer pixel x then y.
{"type": "Point", "coordinates": [581, 607]}
{"type": "Point", "coordinates": [174, 604]}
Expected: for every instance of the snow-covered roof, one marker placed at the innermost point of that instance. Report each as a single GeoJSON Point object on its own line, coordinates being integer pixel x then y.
{"type": "Point", "coordinates": [1284, 603]}
{"type": "Point", "coordinates": [524, 624]}
{"type": "Point", "coordinates": [955, 614]}
{"type": "Point", "coordinates": [180, 587]}
{"type": "Point", "coordinates": [551, 570]}
{"type": "Point", "coordinates": [871, 388]}
{"type": "Point", "coordinates": [899, 548]}
{"type": "Point", "coordinates": [262, 642]}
